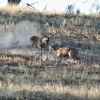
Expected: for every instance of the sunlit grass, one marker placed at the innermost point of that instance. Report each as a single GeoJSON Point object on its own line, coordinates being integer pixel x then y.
{"type": "Point", "coordinates": [68, 29]}
{"type": "Point", "coordinates": [16, 8]}
{"type": "Point", "coordinates": [78, 91]}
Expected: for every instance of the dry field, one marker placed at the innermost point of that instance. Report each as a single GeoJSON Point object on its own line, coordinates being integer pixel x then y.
{"type": "Point", "coordinates": [25, 75]}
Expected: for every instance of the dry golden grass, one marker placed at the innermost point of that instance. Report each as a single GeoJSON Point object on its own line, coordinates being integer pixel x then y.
{"type": "Point", "coordinates": [80, 82]}
{"type": "Point", "coordinates": [14, 8]}
{"type": "Point", "coordinates": [50, 83]}
{"type": "Point", "coordinates": [81, 91]}
{"type": "Point", "coordinates": [28, 10]}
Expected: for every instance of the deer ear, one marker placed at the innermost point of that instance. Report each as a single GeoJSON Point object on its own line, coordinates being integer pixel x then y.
{"type": "Point", "coordinates": [49, 36]}
{"type": "Point", "coordinates": [44, 35]}
{"type": "Point", "coordinates": [51, 44]}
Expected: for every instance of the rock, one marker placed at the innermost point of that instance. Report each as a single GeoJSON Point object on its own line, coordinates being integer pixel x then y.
{"type": "Point", "coordinates": [44, 57]}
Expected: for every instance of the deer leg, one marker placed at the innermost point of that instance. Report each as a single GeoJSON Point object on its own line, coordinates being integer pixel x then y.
{"type": "Point", "coordinates": [42, 50]}
{"type": "Point", "coordinates": [73, 60]}
{"type": "Point", "coordinates": [71, 56]}
{"type": "Point", "coordinates": [57, 61]}
{"type": "Point", "coordinates": [79, 62]}
{"type": "Point", "coordinates": [32, 45]}
{"type": "Point", "coordinates": [39, 52]}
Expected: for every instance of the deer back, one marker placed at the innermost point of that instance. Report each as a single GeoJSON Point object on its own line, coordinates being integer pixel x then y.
{"type": "Point", "coordinates": [73, 52]}
{"type": "Point", "coordinates": [36, 40]}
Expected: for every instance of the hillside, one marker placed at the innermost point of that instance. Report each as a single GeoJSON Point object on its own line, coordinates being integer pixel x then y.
{"type": "Point", "coordinates": [80, 31]}
{"type": "Point", "coordinates": [26, 76]}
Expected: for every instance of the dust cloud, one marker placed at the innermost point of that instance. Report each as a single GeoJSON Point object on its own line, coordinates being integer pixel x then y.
{"type": "Point", "coordinates": [20, 33]}
{"type": "Point", "coordinates": [16, 39]}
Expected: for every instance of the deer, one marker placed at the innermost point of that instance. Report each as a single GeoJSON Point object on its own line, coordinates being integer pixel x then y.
{"type": "Point", "coordinates": [65, 52]}
{"type": "Point", "coordinates": [39, 41]}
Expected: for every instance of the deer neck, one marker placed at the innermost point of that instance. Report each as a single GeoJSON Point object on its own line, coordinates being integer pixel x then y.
{"type": "Point", "coordinates": [44, 40]}
{"type": "Point", "coordinates": [54, 51]}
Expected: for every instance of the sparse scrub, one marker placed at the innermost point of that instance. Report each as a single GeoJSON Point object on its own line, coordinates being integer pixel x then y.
{"type": "Point", "coordinates": [53, 83]}
{"type": "Point", "coordinates": [23, 78]}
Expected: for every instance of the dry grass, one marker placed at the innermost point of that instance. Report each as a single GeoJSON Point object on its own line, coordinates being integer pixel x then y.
{"type": "Point", "coordinates": [45, 81]}
{"type": "Point", "coordinates": [80, 91]}
{"type": "Point", "coordinates": [27, 10]}
{"type": "Point", "coordinates": [51, 83]}
{"type": "Point", "coordinates": [16, 9]}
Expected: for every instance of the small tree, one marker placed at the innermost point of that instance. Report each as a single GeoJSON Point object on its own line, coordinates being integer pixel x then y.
{"type": "Point", "coordinates": [10, 2]}
{"type": "Point", "coordinates": [70, 8]}
{"type": "Point", "coordinates": [95, 6]}
{"type": "Point", "coordinates": [77, 11]}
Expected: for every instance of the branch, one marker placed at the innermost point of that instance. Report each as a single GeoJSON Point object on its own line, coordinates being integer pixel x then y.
{"type": "Point", "coordinates": [29, 5]}
{"type": "Point", "coordinates": [85, 1]}
{"type": "Point", "coordinates": [34, 3]}
{"type": "Point", "coordinates": [45, 7]}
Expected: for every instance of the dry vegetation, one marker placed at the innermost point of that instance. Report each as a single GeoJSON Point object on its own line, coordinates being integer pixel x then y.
{"type": "Point", "coordinates": [22, 77]}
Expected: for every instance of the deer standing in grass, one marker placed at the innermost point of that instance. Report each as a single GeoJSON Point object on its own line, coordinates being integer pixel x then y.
{"type": "Point", "coordinates": [64, 52]}
{"type": "Point", "coordinates": [39, 42]}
